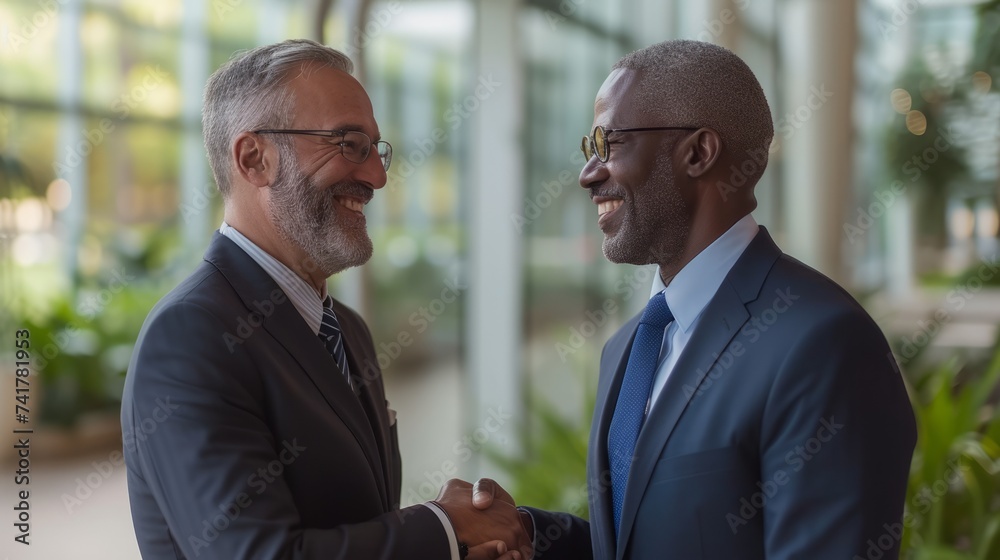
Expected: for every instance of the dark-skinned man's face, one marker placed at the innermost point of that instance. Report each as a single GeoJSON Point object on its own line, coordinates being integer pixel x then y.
{"type": "Point", "coordinates": [644, 217]}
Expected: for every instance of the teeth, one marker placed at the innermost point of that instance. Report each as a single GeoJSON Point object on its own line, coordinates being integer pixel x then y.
{"type": "Point", "coordinates": [609, 206]}
{"type": "Point", "coordinates": [351, 203]}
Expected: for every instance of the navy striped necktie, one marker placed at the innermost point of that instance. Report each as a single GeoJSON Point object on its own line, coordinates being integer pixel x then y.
{"type": "Point", "coordinates": [637, 385]}
{"type": "Point", "coordinates": [332, 337]}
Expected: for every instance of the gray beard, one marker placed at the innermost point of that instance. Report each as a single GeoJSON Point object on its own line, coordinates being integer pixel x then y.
{"type": "Point", "coordinates": [305, 214]}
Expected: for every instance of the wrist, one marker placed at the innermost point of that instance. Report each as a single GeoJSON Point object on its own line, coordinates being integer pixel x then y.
{"type": "Point", "coordinates": [463, 549]}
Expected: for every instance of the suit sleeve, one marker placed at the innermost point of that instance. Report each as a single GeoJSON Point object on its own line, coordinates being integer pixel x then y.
{"type": "Point", "coordinates": [198, 457]}
{"type": "Point", "coordinates": [560, 536]}
{"type": "Point", "coordinates": [836, 439]}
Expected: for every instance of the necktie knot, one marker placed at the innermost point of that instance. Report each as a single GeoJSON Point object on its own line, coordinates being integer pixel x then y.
{"type": "Point", "coordinates": [329, 326]}
{"type": "Point", "coordinates": [657, 313]}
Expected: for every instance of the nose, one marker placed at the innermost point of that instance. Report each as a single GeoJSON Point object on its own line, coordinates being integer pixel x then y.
{"type": "Point", "coordinates": [594, 173]}
{"type": "Point", "coordinates": [371, 171]}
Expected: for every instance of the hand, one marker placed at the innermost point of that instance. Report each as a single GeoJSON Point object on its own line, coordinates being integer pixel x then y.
{"type": "Point", "coordinates": [475, 526]}
{"type": "Point", "coordinates": [485, 490]}
{"type": "Point", "coordinates": [493, 550]}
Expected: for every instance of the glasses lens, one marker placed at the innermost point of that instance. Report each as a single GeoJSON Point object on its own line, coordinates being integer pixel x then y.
{"type": "Point", "coordinates": [585, 147]}
{"type": "Point", "coordinates": [384, 153]}
{"type": "Point", "coordinates": [600, 143]}
{"type": "Point", "coordinates": [355, 146]}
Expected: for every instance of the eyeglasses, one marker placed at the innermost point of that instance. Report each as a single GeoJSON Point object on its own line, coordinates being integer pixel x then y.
{"type": "Point", "coordinates": [354, 146]}
{"type": "Point", "coordinates": [597, 142]}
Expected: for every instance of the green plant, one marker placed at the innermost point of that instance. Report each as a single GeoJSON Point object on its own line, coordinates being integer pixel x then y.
{"type": "Point", "coordinates": [82, 344]}
{"type": "Point", "coordinates": [986, 46]}
{"type": "Point", "coordinates": [952, 508]}
{"type": "Point", "coordinates": [925, 155]}
{"type": "Point", "coordinates": [552, 474]}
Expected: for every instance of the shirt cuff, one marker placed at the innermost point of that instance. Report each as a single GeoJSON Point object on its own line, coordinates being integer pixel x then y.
{"type": "Point", "coordinates": [448, 529]}
{"type": "Point", "coordinates": [534, 524]}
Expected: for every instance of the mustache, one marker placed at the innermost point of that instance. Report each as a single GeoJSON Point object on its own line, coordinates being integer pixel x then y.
{"type": "Point", "coordinates": [606, 192]}
{"type": "Point", "coordinates": [353, 189]}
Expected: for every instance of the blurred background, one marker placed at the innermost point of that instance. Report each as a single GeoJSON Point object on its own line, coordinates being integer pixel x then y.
{"type": "Point", "coordinates": [488, 297]}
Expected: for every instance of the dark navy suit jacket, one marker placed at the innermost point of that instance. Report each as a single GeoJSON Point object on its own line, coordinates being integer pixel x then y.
{"type": "Point", "coordinates": [243, 439]}
{"type": "Point", "coordinates": [784, 432]}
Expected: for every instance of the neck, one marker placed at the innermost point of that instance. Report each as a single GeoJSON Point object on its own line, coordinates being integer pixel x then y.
{"type": "Point", "coordinates": [256, 227]}
{"type": "Point", "coordinates": [703, 233]}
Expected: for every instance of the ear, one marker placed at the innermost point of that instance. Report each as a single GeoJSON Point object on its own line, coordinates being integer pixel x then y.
{"type": "Point", "coordinates": [700, 152]}
{"type": "Point", "coordinates": [256, 160]}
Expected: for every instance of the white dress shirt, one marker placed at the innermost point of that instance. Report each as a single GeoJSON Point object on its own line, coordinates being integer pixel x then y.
{"type": "Point", "coordinates": [306, 299]}
{"type": "Point", "coordinates": [309, 303]}
{"type": "Point", "coordinates": [690, 291]}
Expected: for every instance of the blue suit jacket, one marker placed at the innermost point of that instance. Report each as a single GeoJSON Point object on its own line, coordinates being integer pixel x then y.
{"type": "Point", "coordinates": [243, 439]}
{"type": "Point", "coordinates": [783, 432]}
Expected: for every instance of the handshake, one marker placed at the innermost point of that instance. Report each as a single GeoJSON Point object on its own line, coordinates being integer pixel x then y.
{"type": "Point", "coordinates": [486, 520]}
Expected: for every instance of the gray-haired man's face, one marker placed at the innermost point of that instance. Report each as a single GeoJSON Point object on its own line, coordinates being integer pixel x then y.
{"type": "Point", "coordinates": [317, 197]}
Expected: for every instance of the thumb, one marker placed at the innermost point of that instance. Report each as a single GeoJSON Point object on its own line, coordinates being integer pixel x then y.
{"type": "Point", "coordinates": [482, 493]}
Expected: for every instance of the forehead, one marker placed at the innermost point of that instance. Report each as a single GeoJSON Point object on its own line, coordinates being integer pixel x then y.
{"type": "Point", "coordinates": [615, 99]}
{"type": "Point", "coordinates": [328, 98]}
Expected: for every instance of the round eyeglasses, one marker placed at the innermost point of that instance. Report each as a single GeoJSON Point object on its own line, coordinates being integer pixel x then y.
{"type": "Point", "coordinates": [355, 146]}
{"type": "Point", "coordinates": [597, 142]}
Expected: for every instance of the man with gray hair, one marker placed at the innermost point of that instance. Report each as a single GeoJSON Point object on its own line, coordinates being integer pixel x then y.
{"type": "Point", "coordinates": [753, 410]}
{"type": "Point", "coordinates": [254, 416]}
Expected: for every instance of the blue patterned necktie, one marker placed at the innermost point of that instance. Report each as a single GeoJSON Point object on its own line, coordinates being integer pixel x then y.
{"type": "Point", "coordinates": [633, 397]}
{"type": "Point", "coordinates": [330, 335]}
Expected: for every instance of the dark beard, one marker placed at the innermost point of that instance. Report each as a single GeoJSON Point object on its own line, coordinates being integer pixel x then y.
{"type": "Point", "coordinates": [656, 225]}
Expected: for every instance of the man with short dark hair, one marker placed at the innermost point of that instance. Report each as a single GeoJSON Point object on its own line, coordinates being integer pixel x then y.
{"type": "Point", "coordinates": [278, 441]}
{"type": "Point", "coordinates": [753, 409]}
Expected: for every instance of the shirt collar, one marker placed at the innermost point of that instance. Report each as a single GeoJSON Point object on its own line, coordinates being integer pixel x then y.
{"type": "Point", "coordinates": [694, 286]}
{"type": "Point", "coordinates": [306, 299]}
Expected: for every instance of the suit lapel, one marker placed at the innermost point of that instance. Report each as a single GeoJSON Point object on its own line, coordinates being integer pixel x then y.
{"type": "Point", "coordinates": [364, 374]}
{"type": "Point", "coordinates": [613, 363]}
{"type": "Point", "coordinates": [722, 318]}
{"type": "Point", "coordinates": [254, 286]}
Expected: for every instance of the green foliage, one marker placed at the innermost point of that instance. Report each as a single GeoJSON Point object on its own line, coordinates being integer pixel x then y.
{"type": "Point", "coordinates": [83, 328]}
{"type": "Point", "coordinates": [931, 161]}
{"type": "Point", "coordinates": [986, 51]}
{"type": "Point", "coordinates": [552, 474]}
{"type": "Point", "coordinates": [82, 345]}
{"type": "Point", "coordinates": [953, 499]}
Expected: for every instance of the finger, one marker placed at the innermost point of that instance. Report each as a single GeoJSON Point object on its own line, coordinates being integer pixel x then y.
{"type": "Point", "coordinates": [491, 550]}
{"type": "Point", "coordinates": [482, 493]}
{"type": "Point", "coordinates": [452, 485]}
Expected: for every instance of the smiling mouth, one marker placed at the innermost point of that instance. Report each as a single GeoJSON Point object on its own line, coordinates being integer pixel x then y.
{"type": "Point", "coordinates": [607, 212]}
{"type": "Point", "coordinates": [608, 206]}
{"type": "Point", "coordinates": [350, 203]}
